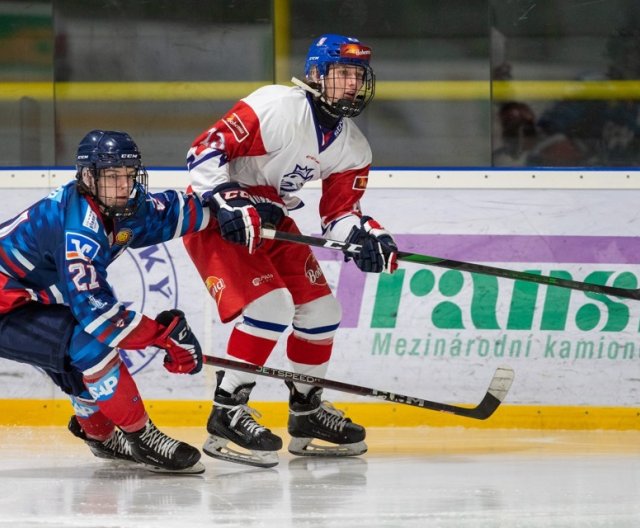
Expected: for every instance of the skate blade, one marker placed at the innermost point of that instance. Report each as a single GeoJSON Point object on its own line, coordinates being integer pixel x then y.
{"type": "Point", "coordinates": [197, 469]}
{"type": "Point", "coordinates": [216, 447]}
{"type": "Point", "coordinates": [307, 447]}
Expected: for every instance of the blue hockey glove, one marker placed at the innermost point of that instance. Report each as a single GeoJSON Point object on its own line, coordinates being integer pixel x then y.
{"type": "Point", "coordinates": [378, 251]}
{"type": "Point", "coordinates": [237, 217]}
{"type": "Point", "coordinates": [184, 354]}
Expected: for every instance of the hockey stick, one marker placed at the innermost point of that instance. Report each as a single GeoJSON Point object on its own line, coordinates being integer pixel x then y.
{"type": "Point", "coordinates": [455, 264]}
{"type": "Point", "coordinates": [498, 388]}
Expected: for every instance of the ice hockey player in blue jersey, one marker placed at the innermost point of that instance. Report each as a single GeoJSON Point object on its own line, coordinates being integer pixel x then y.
{"type": "Point", "coordinates": [59, 313]}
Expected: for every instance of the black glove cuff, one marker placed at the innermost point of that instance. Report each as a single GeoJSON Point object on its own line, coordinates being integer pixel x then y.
{"type": "Point", "coordinates": [165, 318]}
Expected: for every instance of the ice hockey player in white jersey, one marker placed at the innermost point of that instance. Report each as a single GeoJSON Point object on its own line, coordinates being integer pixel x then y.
{"type": "Point", "coordinates": [247, 168]}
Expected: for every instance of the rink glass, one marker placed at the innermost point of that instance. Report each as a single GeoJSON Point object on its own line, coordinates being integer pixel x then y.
{"type": "Point", "coordinates": [445, 69]}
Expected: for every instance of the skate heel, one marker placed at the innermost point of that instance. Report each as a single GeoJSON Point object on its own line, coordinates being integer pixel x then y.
{"type": "Point", "coordinates": [115, 448]}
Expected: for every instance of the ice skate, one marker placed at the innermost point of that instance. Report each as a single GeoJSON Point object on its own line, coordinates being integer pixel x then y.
{"type": "Point", "coordinates": [162, 454]}
{"type": "Point", "coordinates": [115, 448]}
{"type": "Point", "coordinates": [232, 420]}
{"type": "Point", "coordinates": [312, 419]}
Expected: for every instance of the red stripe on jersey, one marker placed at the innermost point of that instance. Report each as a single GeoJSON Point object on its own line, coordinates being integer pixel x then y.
{"type": "Point", "coordinates": [11, 265]}
{"type": "Point", "coordinates": [341, 194]}
{"type": "Point", "coordinates": [105, 334]}
{"type": "Point", "coordinates": [191, 216]}
{"type": "Point", "coordinates": [43, 297]}
{"type": "Point", "coordinates": [11, 298]}
{"type": "Point", "coordinates": [115, 325]}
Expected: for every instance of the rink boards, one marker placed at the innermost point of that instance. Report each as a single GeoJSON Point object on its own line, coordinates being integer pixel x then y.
{"type": "Point", "coordinates": [425, 332]}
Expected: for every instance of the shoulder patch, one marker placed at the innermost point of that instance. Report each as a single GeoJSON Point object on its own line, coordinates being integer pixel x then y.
{"type": "Point", "coordinates": [360, 182]}
{"type": "Point", "coordinates": [91, 220]}
{"type": "Point", "coordinates": [79, 246]}
{"type": "Point", "coordinates": [237, 127]}
{"type": "Point", "coordinates": [124, 237]}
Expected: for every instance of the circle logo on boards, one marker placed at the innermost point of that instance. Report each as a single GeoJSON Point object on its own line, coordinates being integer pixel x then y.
{"type": "Point", "coordinates": [145, 281]}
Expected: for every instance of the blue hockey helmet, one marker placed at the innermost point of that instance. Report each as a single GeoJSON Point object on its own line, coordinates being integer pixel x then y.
{"type": "Point", "coordinates": [332, 49]}
{"type": "Point", "coordinates": [104, 149]}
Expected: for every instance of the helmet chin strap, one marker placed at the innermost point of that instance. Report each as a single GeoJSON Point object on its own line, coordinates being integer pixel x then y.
{"type": "Point", "coordinates": [305, 87]}
{"type": "Point", "coordinates": [321, 103]}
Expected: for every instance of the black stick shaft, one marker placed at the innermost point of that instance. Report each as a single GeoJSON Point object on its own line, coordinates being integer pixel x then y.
{"type": "Point", "coordinates": [458, 265]}
{"type": "Point", "coordinates": [498, 388]}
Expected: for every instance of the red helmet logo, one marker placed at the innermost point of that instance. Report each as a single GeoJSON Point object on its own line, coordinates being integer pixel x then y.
{"type": "Point", "coordinates": [355, 51]}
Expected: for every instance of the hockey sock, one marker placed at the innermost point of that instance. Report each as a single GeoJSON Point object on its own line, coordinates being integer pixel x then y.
{"type": "Point", "coordinates": [94, 424]}
{"type": "Point", "coordinates": [116, 395]}
{"type": "Point", "coordinates": [250, 349]}
{"type": "Point", "coordinates": [308, 357]}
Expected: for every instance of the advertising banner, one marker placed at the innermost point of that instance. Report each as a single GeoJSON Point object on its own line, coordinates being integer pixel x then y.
{"type": "Point", "coordinates": [426, 331]}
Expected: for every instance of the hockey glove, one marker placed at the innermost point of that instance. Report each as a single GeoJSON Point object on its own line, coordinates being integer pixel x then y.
{"type": "Point", "coordinates": [378, 251]}
{"type": "Point", "coordinates": [184, 354]}
{"type": "Point", "coordinates": [271, 214]}
{"type": "Point", "coordinates": [237, 217]}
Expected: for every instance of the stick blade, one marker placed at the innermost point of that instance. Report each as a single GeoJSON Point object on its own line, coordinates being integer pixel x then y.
{"type": "Point", "coordinates": [501, 382]}
{"type": "Point", "coordinates": [498, 389]}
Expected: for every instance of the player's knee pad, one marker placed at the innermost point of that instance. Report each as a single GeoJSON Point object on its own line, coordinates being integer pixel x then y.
{"type": "Point", "coordinates": [317, 320]}
{"type": "Point", "coordinates": [268, 316]}
{"type": "Point", "coordinates": [37, 334]}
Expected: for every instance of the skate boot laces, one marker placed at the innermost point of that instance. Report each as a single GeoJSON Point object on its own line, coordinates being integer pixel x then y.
{"type": "Point", "coordinates": [246, 416]}
{"type": "Point", "coordinates": [328, 415]}
{"type": "Point", "coordinates": [118, 443]}
{"type": "Point", "coordinates": [159, 441]}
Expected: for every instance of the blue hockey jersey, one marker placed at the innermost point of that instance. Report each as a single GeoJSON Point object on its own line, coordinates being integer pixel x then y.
{"type": "Point", "coordinates": [58, 250]}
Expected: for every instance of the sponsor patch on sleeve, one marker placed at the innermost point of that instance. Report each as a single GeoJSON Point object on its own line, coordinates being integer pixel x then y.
{"type": "Point", "coordinates": [235, 124]}
{"type": "Point", "coordinates": [360, 182]}
{"type": "Point", "coordinates": [91, 220]}
{"type": "Point", "coordinates": [79, 246]}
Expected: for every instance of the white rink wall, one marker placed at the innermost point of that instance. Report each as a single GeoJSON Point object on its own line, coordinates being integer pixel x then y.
{"type": "Point", "coordinates": [427, 331]}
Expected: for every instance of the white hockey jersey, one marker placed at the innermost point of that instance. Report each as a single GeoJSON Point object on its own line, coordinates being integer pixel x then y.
{"type": "Point", "coordinates": [271, 139]}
